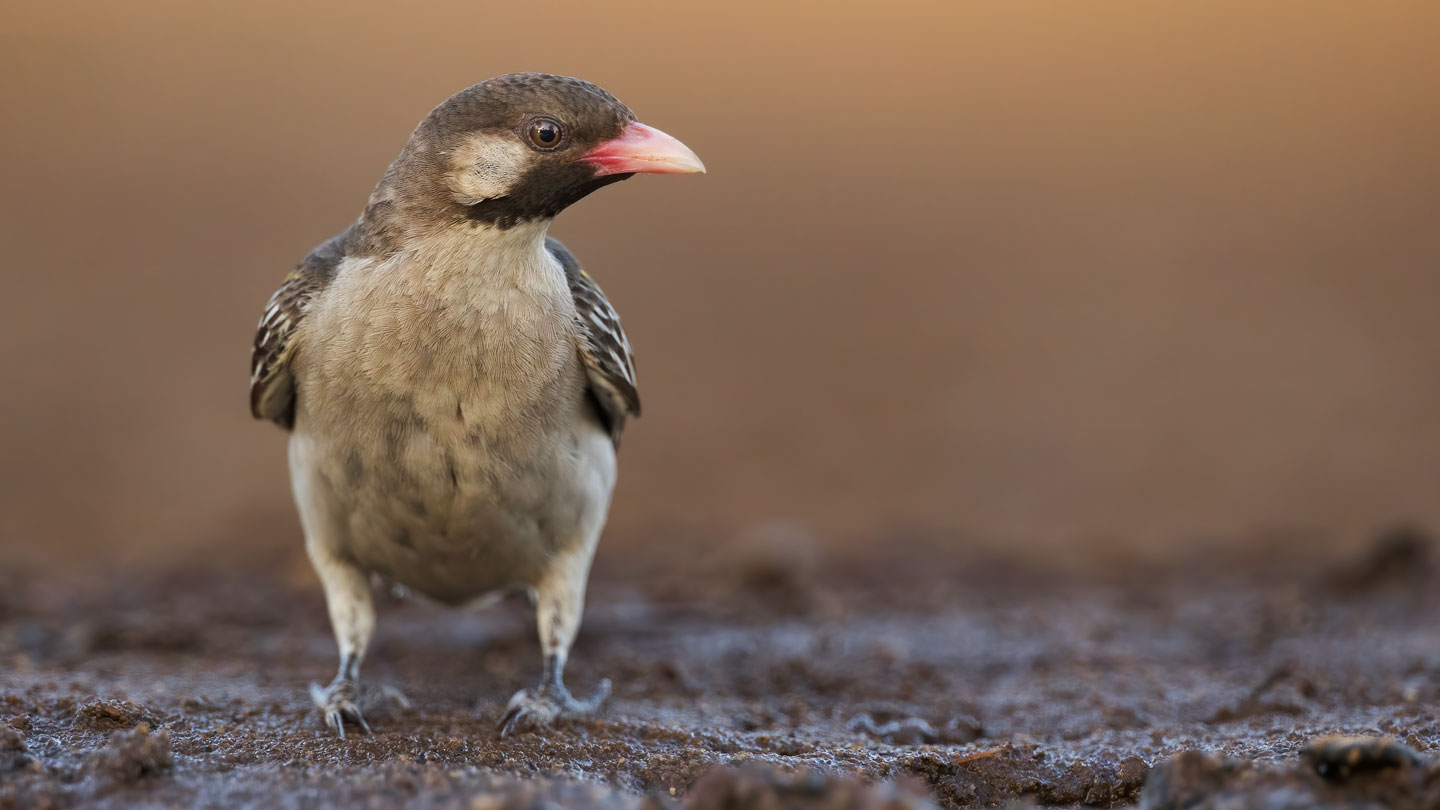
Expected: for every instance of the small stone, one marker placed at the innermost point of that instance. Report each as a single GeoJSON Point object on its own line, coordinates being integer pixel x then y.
{"type": "Point", "coordinates": [134, 755]}
{"type": "Point", "coordinates": [110, 715]}
{"type": "Point", "coordinates": [1339, 757]}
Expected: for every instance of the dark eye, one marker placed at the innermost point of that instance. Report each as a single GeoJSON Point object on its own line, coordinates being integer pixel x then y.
{"type": "Point", "coordinates": [545, 133]}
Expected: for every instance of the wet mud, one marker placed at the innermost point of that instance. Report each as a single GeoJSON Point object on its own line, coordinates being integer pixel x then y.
{"type": "Point", "coordinates": [772, 681]}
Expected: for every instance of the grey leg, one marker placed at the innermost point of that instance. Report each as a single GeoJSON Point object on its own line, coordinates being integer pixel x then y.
{"type": "Point", "coordinates": [352, 616]}
{"type": "Point", "coordinates": [560, 601]}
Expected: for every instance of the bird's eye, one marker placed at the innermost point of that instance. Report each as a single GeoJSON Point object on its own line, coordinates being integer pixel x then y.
{"type": "Point", "coordinates": [545, 133]}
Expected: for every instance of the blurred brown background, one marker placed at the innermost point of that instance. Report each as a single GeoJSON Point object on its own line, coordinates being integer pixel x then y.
{"type": "Point", "coordinates": [1155, 274]}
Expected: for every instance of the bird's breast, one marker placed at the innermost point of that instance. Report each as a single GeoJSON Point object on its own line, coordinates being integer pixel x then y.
{"type": "Point", "coordinates": [440, 407]}
{"type": "Point", "coordinates": [488, 336]}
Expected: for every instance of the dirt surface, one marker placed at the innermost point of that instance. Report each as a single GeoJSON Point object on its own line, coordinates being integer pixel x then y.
{"type": "Point", "coordinates": [770, 679]}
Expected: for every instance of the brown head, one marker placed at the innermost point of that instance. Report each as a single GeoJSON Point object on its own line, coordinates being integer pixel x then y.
{"type": "Point", "coordinates": [515, 149]}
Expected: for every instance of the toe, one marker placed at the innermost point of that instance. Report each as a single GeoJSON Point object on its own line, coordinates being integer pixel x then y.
{"type": "Point", "coordinates": [352, 713]}
{"type": "Point", "coordinates": [509, 722]}
{"type": "Point", "coordinates": [599, 696]}
{"type": "Point", "coordinates": [335, 722]}
{"type": "Point", "coordinates": [337, 704]}
{"type": "Point", "coordinates": [515, 712]}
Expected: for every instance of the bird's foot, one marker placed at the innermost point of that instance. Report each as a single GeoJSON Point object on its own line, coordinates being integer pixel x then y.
{"type": "Point", "coordinates": [532, 709]}
{"type": "Point", "coordinates": [338, 702]}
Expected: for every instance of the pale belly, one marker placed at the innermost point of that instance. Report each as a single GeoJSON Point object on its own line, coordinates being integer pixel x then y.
{"type": "Point", "coordinates": [425, 497]}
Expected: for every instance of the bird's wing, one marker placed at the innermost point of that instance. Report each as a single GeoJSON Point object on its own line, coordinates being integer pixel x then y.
{"type": "Point", "coordinates": [604, 348]}
{"type": "Point", "coordinates": [272, 387]}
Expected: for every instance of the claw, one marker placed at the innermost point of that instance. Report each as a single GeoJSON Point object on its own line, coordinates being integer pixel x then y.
{"type": "Point", "coordinates": [538, 708]}
{"type": "Point", "coordinates": [338, 702]}
{"type": "Point", "coordinates": [528, 706]}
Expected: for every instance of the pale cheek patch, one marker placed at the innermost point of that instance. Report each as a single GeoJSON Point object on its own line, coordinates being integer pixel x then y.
{"type": "Point", "coordinates": [486, 167]}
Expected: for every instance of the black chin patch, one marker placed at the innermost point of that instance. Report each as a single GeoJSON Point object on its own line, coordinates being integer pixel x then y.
{"type": "Point", "coordinates": [542, 193]}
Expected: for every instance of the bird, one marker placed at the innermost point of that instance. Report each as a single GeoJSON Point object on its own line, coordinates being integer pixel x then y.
{"type": "Point", "coordinates": [454, 383]}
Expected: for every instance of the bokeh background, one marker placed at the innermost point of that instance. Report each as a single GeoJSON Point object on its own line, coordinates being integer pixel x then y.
{"type": "Point", "coordinates": [1040, 275]}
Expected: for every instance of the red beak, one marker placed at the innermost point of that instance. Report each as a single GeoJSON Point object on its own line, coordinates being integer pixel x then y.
{"type": "Point", "coordinates": [643, 149]}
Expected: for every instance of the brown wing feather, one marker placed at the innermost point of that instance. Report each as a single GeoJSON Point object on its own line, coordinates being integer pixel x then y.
{"type": "Point", "coordinates": [604, 348]}
{"type": "Point", "coordinates": [272, 387]}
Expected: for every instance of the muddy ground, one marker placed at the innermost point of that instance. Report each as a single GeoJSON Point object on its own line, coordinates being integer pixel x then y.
{"type": "Point", "coordinates": [763, 679]}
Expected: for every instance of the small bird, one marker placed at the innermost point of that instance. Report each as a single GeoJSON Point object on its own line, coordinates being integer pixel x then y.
{"type": "Point", "coordinates": [454, 384]}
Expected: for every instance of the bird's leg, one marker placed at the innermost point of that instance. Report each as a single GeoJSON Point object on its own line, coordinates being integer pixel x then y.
{"type": "Point", "coordinates": [352, 616]}
{"type": "Point", "coordinates": [560, 599]}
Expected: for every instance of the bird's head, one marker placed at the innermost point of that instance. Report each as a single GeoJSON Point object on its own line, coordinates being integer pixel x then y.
{"type": "Point", "coordinates": [523, 147]}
